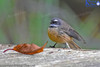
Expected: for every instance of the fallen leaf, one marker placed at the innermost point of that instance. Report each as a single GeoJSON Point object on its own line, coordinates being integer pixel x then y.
{"type": "Point", "coordinates": [27, 48]}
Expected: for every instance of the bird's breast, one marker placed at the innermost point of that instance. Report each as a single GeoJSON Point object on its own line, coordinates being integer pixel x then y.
{"type": "Point", "coordinates": [55, 35]}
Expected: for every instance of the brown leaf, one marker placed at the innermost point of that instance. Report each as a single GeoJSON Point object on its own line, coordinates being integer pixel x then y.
{"type": "Point", "coordinates": [28, 48]}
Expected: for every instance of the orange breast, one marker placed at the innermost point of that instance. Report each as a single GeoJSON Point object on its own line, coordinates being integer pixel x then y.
{"type": "Point", "coordinates": [57, 37]}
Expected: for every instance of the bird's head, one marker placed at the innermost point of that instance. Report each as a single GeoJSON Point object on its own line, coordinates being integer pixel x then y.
{"type": "Point", "coordinates": [55, 22]}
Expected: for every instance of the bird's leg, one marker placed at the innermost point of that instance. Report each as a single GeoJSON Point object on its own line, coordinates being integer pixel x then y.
{"type": "Point", "coordinates": [68, 45]}
{"type": "Point", "coordinates": [64, 45]}
{"type": "Point", "coordinates": [53, 45]}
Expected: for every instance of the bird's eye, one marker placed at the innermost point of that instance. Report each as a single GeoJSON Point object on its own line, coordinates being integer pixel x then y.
{"type": "Point", "coordinates": [54, 22]}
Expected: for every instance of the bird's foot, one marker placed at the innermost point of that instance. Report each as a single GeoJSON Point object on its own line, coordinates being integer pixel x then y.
{"type": "Point", "coordinates": [52, 46]}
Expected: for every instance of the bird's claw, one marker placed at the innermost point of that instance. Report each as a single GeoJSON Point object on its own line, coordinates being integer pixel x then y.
{"type": "Point", "coordinates": [52, 46]}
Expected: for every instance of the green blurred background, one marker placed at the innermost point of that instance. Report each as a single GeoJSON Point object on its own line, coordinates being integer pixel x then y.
{"type": "Point", "coordinates": [27, 21]}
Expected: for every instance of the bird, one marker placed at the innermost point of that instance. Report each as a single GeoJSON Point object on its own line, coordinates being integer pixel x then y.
{"type": "Point", "coordinates": [61, 32]}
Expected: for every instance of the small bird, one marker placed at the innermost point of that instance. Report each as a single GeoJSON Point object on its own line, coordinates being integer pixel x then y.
{"type": "Point", "coordinates": [61, 32]}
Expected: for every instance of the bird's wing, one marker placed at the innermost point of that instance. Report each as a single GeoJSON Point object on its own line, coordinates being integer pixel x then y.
{"type": "Point", "coordinates": [72, 33]}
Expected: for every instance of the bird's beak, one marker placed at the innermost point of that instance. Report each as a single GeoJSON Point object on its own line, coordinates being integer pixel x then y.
{"type": "Point", "coordinates": [53, 25]}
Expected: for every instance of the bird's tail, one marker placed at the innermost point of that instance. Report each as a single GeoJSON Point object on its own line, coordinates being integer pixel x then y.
{"type": "Point", "coordinates": [73, 45]}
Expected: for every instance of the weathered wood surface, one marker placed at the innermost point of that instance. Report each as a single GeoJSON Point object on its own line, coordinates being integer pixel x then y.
{"type": "Point", "coordinates": [51, 57]}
